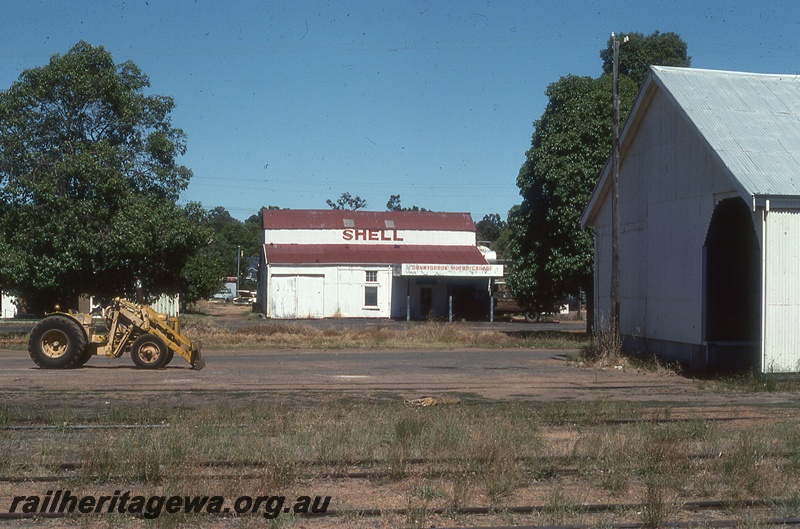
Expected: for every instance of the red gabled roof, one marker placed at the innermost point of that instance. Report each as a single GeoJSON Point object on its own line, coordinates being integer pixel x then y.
{"type": "Point", "coordinates": [371, 254]}
{"type": "Point", "coordinates": [333, 219]}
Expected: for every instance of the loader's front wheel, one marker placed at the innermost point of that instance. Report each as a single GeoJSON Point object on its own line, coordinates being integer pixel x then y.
{"type": "Point", "coordinates": [57, 342]}
{"type": "Point", "coordinates": [84, 357]}
{"type": "Point", "coordinates": [149, 352]}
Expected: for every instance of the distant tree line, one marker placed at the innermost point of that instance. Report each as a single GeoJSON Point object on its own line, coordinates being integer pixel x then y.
{"type": "Point", "coordinates": [90, 183]}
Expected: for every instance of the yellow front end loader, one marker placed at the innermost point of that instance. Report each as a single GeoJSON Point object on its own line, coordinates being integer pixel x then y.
{"type": "Point", "coordinates": [64, 340]}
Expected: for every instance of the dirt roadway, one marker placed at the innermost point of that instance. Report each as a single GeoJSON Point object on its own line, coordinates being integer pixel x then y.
{"type": "Point", "coordinates": [491, 374]}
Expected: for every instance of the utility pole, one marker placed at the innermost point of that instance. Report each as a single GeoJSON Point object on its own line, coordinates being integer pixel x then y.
{"type": "Point", "coordinates": [615, 212]}
{"type": "Point", "coordinates": [238, 268]}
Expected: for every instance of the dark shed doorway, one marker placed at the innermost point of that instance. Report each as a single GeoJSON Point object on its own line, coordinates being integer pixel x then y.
{"type": "Point", "coordinates": [732, 287]}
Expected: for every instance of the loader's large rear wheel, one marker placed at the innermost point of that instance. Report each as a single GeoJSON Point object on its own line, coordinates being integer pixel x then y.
{"type": "Point", "coordinates": [57, 342]}
{"type": "Point", "coordinates": [149, 352]}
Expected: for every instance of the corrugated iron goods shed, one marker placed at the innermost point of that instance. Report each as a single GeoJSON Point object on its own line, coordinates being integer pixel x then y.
{"type": "Point", "coordinates": [710, 202]}
{"type": "Point", "coordinates": [341, 263]}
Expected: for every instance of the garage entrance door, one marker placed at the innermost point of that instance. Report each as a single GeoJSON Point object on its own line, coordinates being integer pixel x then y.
{"type": "Point", "coordinates": [297, 296]}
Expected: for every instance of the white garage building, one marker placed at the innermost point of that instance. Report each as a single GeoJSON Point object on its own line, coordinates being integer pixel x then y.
{"type": "Point", "coordinates": [344, 264]}
{"type": "Point", "coordinates": [710, 220]}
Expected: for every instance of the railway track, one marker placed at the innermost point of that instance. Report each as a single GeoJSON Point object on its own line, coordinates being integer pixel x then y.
{"type": "Point", "coordinates": [245, 469]}
{"type": "Point", "coordinates": [317, 470]}
{"type": "Point", "coordinates": [558, 464]}
{"type": "Point", "coordinates": [713, 505]}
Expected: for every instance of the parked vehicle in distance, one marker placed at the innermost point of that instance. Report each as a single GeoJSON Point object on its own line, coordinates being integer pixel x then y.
{"type": "Point", "coordinates": [245, 297]}
{"type": "Point", "coordinates": [223, 295]}
{"type": "Point", "coordinates": [506, 305]}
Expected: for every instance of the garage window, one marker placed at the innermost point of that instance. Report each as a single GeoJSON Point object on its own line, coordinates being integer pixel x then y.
{"type": "Point", "coordinates": [370, 296]}
{"type": "Point", "coordinates": [372, 276]}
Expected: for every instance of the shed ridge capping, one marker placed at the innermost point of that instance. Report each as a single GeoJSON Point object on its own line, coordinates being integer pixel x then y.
{"type": "Point", "coordinates": [682, 70]}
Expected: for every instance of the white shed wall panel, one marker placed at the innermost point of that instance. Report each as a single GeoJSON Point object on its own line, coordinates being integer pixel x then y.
{"type": "Point", "coordinates": [668, 181]}
{"type": "Point", "coordinates": [781, 341]}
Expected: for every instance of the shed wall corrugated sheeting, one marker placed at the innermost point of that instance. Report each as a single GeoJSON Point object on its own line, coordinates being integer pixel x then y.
{"type": "Point", "coordinates": [602, 265]}
{"type": "Point", "coordinates": [668, 183]}
{"type": "Point", "coordinates": [781, 343]}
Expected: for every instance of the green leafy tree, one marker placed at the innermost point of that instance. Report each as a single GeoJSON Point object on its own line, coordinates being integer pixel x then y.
{"type": "Point", "coordinates": [493, 229]}
{"type": "Point", "coordinates": [347, 201]}
{"type": "Point", "coordinates": [394, 205]}
{"type": "Point", "coordinates": [233, 244]}
{"type": "Point", "coordinates": [490, 227]}
{"type": "Point", "coordinates": [552, 255]}
{"type": "Point", "coordinates": [207, 269]}
{"type": "Point", "coordinates": [500, 245]}
{"type": "Point", "coordinates": [640, 52]}
{"type": "Point", "coordinates": [89, 183]}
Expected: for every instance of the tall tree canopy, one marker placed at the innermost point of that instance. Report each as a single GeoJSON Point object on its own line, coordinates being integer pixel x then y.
{"type": "Point", "coordinates": [89, 181]}
{"type": "Point", "coordinates": [393, 204]}
{"type": "Point", "coordinates": [347, 201]}
{"type": "Point", "coordinates": [207, 269]}
{"type": "Point", "coordinates": [552, 255]}
{"type": "Point", "coordinates": [640, 52]}
{"type": "Point", "coordinates": [490, 227]}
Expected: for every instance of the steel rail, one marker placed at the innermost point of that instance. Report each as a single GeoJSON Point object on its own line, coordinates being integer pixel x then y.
{"type": "Point", "coordinates": [483, 511]}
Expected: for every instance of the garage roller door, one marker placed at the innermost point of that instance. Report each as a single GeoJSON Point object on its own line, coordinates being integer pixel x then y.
{"type": "Point", "coordinates": [297, 296]}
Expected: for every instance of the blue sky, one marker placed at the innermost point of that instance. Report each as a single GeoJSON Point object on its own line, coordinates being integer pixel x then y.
{"type": "Point", "coordinates": [291, 103]}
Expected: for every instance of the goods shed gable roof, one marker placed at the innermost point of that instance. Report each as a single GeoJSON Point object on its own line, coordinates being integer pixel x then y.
{"type": "Point", "coordinates": [750, 123]}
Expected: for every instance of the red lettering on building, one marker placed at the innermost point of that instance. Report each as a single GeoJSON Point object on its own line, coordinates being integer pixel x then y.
{"type": "Point", "coordinates": [371, 235]}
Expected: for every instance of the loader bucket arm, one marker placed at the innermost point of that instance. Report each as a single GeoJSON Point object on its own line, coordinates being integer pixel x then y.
{"type": "Point", "coordinates": [168, 329]}
{"type": "Point", "coordinates": [165, 327]}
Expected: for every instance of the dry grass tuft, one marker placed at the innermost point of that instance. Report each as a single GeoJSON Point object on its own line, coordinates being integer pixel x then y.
{"type": "Point", "coordinates": [431, 335]}
{"type": "Point", "coordinates": [475, 453]}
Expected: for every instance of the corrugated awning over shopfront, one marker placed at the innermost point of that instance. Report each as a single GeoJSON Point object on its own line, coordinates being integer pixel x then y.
{"type": "Point", "coordinates": [409, 260]}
